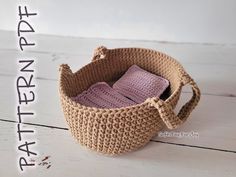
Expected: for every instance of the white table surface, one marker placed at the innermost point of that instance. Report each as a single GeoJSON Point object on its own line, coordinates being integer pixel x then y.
{"type": "Point", "coordinates": [213, 153]}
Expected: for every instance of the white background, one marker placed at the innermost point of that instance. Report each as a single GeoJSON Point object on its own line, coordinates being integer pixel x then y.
{"type": "Point", "coordinates": [202, 21]}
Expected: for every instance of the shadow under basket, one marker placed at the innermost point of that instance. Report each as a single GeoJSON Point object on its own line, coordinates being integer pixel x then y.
{"type": "Point", "coordinates": [119, 130]}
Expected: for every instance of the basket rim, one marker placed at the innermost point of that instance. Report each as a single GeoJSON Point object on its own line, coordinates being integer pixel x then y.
{"type": "Point", "coordinates": [77, 105]}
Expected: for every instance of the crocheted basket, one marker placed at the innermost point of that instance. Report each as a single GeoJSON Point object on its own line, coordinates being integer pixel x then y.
{"type": "Point", "coordinates": [119, 130]}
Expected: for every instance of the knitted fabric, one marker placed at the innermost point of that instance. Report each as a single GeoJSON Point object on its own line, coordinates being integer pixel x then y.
{"type": "Point", "coordinates": [101, 95]}
{"type": "Point", "coordinates": [138, 84]}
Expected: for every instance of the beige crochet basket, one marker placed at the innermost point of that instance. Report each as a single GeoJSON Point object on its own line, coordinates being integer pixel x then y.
{"type": "Point", "coordinates": [119, 130]}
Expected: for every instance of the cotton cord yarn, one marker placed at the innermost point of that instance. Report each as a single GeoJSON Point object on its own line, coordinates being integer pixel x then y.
{"type": "Point", "coordinates": [119, 130]}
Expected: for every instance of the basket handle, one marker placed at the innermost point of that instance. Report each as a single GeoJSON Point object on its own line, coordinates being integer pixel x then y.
{"type": "Point", "coordinates": [100, 53]}
{"type": "Point", "coordinates": [65, 69]}
{"type": "Point", "coordinates": [166, 112]}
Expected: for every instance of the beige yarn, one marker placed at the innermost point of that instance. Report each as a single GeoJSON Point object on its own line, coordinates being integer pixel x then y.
{"type": "Point", "coordinates": [119, 130]}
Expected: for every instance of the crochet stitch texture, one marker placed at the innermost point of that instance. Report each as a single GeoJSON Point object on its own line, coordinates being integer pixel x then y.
{"type": "Point", "coordinates": [138, 84]}
{"type": "Point", "coordinates": [119, 130]}
{"type": "Point", "coordinates": [101, 95]}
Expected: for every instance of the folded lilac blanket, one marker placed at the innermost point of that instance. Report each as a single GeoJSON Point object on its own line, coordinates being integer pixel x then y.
{"type": "Point", "coordinates": [138, 84]}
{"type": "Point", "coordinates": [101, 95]}
{"type": "Point", "coordinates": [135, 86]}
